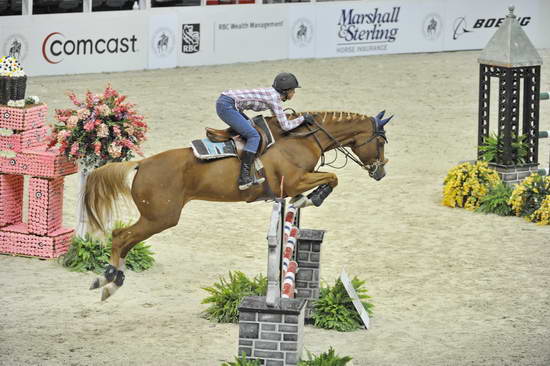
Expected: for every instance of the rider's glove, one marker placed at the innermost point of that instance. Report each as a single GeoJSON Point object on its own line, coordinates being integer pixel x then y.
{"type": "Point", "coordinates": [308, 119]}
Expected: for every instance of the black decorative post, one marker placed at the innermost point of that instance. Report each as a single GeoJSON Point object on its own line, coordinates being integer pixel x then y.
{"type": "Point", "coordinates": [511, 57]}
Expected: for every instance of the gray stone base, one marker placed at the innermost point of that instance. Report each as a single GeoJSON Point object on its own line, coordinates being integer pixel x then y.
{"type": "Point", "coordinates": [273, 335]}
{"type": "Point", "coordinates": [308, 257]}
{"type": "Point", "coordinates": [514, 174]}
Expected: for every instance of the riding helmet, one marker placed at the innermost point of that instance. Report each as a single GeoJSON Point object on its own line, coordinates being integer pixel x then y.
{"type": "Point", "coordinates": [285, 81]}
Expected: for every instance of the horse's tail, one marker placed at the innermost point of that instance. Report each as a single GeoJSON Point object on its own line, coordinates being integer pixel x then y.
{"type": "Point", "coordinates": [103, 186]}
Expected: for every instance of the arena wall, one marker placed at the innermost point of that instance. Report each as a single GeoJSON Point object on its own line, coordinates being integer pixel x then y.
{"type": "Point", "coordinates": [153, 38]}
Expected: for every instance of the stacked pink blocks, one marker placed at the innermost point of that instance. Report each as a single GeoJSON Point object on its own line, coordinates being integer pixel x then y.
{"type": "Point", "coordinates": [23, 151]}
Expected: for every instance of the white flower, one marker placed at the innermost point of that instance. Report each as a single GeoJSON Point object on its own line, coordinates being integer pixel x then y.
{"type": "Point", "coordinates": [102, 130]}
{"type": "Point", "coordinates": [32, 99]}
{"type": "Point", "coordinates": [72, 121]}
{"type": "Point", "coordinates": [6, 132]}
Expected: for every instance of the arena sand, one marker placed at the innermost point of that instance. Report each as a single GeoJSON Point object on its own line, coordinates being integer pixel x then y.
{"type": "Point", "coordinates": [450, 287]}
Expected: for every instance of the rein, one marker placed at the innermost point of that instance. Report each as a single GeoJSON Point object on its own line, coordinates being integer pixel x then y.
{"type": "Point", "coordinates": [371, 168]}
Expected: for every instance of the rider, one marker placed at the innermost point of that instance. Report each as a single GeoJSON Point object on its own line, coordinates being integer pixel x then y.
{"type": "Point", "coordinates": [232, 103]}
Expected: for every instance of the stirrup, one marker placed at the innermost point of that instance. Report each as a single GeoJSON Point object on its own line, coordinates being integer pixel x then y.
{"type": "Point", "coordinates": [243, 187]}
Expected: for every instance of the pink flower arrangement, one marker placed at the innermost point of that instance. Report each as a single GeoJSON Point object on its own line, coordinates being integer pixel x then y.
{"type": "Point", "coordinates": [103, 128]}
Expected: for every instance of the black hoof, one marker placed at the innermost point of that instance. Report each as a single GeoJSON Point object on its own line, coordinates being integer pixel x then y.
{"type": "Point", "coordinates": [105, 294]}
{"type": "Point", "coordinates": [95, 284]}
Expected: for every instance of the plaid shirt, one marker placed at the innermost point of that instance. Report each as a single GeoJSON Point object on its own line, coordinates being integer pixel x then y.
{"type": "Point", "coordinates": [262, 99]}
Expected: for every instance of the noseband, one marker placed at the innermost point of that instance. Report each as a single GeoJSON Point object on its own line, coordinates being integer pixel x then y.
{"type": "Point", "coordinates": [372, 168]}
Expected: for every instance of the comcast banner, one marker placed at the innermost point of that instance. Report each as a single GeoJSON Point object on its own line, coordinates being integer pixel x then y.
{"type": "Point", "coordinates": [64, 44]}
{"type": "Point", "coordinates": [368, 28]}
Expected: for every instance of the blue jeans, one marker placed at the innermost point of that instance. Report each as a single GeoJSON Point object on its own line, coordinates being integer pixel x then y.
{"type": "Point", "coordinates": [225, 107]}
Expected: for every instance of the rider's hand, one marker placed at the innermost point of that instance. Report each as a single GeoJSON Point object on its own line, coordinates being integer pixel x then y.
{"type": "Point", "coordinates": [308, 119]}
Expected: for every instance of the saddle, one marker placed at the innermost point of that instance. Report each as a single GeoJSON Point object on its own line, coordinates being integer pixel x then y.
{"type": "Point", "coordinates": [227, 142]}
{"type": "Point", "coordinates": [228, 134]}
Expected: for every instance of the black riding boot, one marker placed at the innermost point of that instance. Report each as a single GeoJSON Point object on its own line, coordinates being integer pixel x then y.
{"type": "Point", "coordinates": [245, 179]}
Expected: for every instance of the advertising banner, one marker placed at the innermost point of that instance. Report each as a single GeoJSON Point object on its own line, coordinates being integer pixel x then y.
{"type": "Point", "coordinates": [369, 28]}
{"type": "Point", "coordinates": [78, 43]}
{"type": "Point", "coordinates": [472, 23]}
{"type": "Point", "coordinates": [163, 40]}
{"type": "Point", "coordinates": [207, 35]}
{"type": "Point", "coordinates": [195, 43]}
{"type": "Point", "coordinates": [240, 33]}
{"type": "Point", "coordinates": [302, 22]}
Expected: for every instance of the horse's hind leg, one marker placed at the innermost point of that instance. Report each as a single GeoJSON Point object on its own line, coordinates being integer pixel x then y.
{"type": "Point", "coordinates": [125, 239]}
{"type": "Point", "coordinates": [111, 271]}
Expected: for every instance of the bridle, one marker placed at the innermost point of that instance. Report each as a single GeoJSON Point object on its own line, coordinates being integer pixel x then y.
{"type": "Point", "coordinates": [371, 168]}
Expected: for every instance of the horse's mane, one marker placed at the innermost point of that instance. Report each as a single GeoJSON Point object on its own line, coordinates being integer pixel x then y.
{"type": "Point", "coordinates": [336, 116]}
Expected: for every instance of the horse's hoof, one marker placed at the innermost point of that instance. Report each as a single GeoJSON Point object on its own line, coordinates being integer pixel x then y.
{"type": "Point", "coordinates": [108, 291]}
{"type": "Point", "coordinates": [296, 198]}
{"type": "Point", "coordinates": [300, 201]}
{"type": "Point", "coordinates": [105, 294]}
{"type": "Point", "coordinates": [95, 284]}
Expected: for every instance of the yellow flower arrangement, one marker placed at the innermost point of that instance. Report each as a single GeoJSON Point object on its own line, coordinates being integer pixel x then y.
{"type": "Point", "coordinates": [531, 199]}
{"type": "Point", "coordinates": [542, 215]}
{"type": "Point", "coordinates": [466, 184]}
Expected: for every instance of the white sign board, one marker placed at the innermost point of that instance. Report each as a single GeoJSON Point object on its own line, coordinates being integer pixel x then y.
{"type": "Point", "coordinates": [302, 22]}
{"type": "Point", "coordinates": [369, 28]}
{"type": "Point", "coordinates": [78, 43]}
{"type": "Point", "coordinates": [472, 23]}
{"type": "Point", "coordinates": [356, 301]}
{"type": "Point", "coordinates": [207, 35]}
{"type": "Point", "coordinates": [240, 33]}
{"type": "Point", "coordinates": [163, 41]}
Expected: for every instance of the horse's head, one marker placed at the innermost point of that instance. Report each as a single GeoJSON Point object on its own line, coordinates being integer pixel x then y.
{"type": "Point", "coordinates": [368, 145]}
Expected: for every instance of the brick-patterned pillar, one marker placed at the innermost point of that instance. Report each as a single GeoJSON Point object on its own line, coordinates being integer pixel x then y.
{"type": "Point", "coordinates": [273, 335]}
{"type": "Point", "coordinates": [11, 199]}
{"type": "Point", "coordinates": [22, 132]}
{"type": "Point", "coordinates": [45, 205]}
{"type": "Point", "coordinates": [308, 256]}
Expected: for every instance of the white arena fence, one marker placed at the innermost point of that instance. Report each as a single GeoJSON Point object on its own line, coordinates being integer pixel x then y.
{"type": "Point", "coordinates": [151, 38]}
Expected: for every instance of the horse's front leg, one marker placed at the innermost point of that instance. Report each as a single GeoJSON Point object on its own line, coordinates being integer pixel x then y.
{"type": "Point", "coordinates": [325, 182]}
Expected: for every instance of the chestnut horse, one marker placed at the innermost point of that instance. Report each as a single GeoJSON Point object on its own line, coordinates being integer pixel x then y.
{"type": "Point", "coordinates": [165, 182]}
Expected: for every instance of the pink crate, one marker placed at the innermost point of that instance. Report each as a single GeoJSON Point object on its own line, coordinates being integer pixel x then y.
{"type": "Point", "coordinates": [20, 242]}
{"type": "Point", "coordinates": [24, 140]}
{"type": "Point", "coordinates": [23, 119]}
{"type": "Point", "coordinates": [39, 163]}
{"type": "Point", "coordinates": [11, 199]}
{"type": "Point", "coordinates": [45, 205]}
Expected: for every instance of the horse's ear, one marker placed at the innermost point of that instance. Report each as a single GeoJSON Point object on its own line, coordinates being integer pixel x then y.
{"type": "Point", "coordinates": [385, 121]}
{"type": "Point", "coordinates": [381, 122]}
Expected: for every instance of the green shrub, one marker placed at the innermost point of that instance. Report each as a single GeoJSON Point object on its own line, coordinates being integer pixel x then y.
{"type": "Point", "coordinates": [242, 361]}
{"type": "Point", "coordinates": [496, 200]}
{"type": "Point", "coordinates": [335, 310]}
{"type": "Point", "coordinates": [531, 199]}
{"type": "Point", "coordinates": [329, 358]}
{"type": "Point", "coordinates": [86, 254]}
{"type": "Point", "coordinates": [492, 150]}
{"type": "Point", "coordinates": [226, 296]}
{"type": "Point", "coordinates": [91, 254]}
